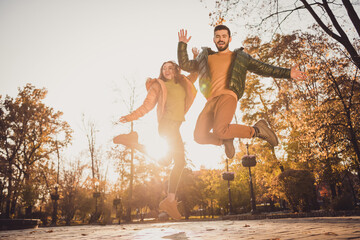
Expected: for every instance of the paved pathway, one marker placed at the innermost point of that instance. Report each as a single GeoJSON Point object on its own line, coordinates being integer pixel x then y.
{"type": "Point", "coordinates": [289, 228]}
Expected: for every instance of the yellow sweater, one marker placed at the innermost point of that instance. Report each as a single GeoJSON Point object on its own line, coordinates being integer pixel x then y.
{"type": "Point", "coordinates": [219, 65]}
{"type": "Point", "coordinates": [175, 102]}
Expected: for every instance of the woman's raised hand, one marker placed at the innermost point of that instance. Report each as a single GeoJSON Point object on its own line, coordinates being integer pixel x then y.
{"type": "Point", "coordinates": [195, 51]}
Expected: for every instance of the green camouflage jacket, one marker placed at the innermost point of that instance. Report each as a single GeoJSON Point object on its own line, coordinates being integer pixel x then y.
{"type": "Point", "coordinates": [241, 63]}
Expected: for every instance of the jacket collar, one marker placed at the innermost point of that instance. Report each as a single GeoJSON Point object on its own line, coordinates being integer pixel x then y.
{"type": "Point", "coordinates": [209, 51]}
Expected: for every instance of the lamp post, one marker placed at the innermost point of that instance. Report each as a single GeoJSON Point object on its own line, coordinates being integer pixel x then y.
{"type": "Point", "coordinates": [229, 176]}
{"type": "Point", "coordinates": [116, 202]}
{"type": "Point", "coordinates": [250, 161]}
{"type": "Point", "coordinates": [128, 211]}
{"type": "Point", "coordinates": [55, 198]}
{"type": "Point", "coordinates": [55, 195]}
{"type": "Point", "coordinates": [96, 195]}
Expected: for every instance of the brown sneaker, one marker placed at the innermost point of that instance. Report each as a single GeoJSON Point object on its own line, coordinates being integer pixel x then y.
{"type": "Point", "coordinates": [128, 140]}
{"type": "Point", "coordinates": [170, 208]}
{"type": "Point", "coordinates": [229, 147]}
{"type": "Point", "coordinates": [131, 140]}
{"type": "Point", "coordinates": [263, 131]}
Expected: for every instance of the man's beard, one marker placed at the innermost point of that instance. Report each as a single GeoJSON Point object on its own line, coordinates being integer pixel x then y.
{"type": "Point", "coordinates": [220, 49]}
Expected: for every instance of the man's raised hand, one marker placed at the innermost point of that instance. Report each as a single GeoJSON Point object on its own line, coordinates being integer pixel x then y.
{"type": "Point", "coordinates": [297, 74]}
{"type": "Point", "coordinates": [183, 36]}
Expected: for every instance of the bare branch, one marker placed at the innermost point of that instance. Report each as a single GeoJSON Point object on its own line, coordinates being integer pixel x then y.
{"type": "Point", "coordinates": [320, 22]}
{"type": "Point", "coordinates": [279, 23]}
{"type": "Point", "coordinates": [344, 40]}
{"type": "Point", "coordinates": [334, 20]}
{"type": "Point", "coordinates": [278, 13]}
{"type": "Point", "coordinates": [352, 14]}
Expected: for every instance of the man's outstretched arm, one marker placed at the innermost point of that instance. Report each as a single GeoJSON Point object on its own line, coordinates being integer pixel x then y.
{"type": "Point", "coordinates": [268, 70]}
{"type": "Point", "coordinates": [183, 58]}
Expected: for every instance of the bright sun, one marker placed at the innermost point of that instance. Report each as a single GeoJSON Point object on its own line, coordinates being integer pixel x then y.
{"type": "Point", "coordinates": [156, 147]}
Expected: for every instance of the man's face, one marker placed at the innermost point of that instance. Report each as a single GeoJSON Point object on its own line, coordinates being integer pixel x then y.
{"type": "Point", "coordinates": [222, 39]}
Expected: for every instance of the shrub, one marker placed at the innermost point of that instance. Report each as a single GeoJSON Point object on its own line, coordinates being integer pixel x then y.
{"type": "Point", "coordinates": [298, 189]}
{"type": "Point", "coordinates": [342, 202]}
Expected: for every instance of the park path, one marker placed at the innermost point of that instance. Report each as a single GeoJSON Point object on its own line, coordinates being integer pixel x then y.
{"type": "Point", "coordinates": [276, 229]}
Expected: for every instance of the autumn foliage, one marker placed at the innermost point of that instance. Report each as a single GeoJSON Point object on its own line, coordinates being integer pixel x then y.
{"type": "Point", "coordinates": [316, 120]}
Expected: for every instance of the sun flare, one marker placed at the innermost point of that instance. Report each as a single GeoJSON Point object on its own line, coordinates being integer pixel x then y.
{"type": "Point", "coordinates": [156, 147]}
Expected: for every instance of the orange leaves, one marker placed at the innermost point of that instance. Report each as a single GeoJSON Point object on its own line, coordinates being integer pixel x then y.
{"type": "Point", "coordinates": [220, 21]}
{"type": "Point", "coordinates": [217, 21]}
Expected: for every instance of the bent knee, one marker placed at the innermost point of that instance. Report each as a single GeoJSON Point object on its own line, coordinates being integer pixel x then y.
{"type": "Point", "coordinates": [199, 138]}
{"type": "Point", "coordinates": [221, 132]}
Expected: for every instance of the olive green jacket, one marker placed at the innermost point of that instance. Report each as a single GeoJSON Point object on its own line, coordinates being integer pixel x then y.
{"type": "Point", "coordinates": [240, 64]}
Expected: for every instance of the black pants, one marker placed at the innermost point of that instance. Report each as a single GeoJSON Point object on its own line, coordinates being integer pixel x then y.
{"type": "Point", "coordinates": [170, 130]}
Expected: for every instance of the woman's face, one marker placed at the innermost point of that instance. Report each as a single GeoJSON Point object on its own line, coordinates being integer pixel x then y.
{"type": "Point", "coordinates": [168, 71]}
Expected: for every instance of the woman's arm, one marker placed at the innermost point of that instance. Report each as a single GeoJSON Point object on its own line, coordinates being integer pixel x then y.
{"type": "Point", "coordinates": [148, 104]}
{"type": "Point", "coordinates": [194, 75]}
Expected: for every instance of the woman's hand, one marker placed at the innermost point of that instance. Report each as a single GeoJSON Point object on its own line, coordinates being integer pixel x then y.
{"type": "Point", "coordinates": [123, 119]}
{"type": "Point", "coordinates": [195, 51]}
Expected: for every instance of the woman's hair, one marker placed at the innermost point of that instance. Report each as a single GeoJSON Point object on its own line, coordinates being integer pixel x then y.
{"type": "Point", "coordinates": [177, 74]}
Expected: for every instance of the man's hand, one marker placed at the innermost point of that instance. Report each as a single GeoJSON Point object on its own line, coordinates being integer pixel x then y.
{"type": "Point", "coordinates": [183, 36]}
{"type": "Point", "coordinates": [297, 74]}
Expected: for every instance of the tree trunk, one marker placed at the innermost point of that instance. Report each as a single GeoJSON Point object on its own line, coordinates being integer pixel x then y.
{"type": "Point", "coordinates": [28, 209]}
{"type": "Point", "coordinates": [28, 212]}
{"type": "Point", "coordinates": [9, 193]}
{"type": "Point", "coordinates": [352, 15]}
{"type": "Point", "coordinates": [354, 142]}
{"type": "Point", "coordinates": [333, 190]}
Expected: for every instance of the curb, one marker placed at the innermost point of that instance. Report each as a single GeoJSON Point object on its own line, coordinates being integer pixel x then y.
{"type": "Point", "coordinates": [291, 215]}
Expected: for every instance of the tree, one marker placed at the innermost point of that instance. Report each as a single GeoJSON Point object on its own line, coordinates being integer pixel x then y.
{"type": "Point", "coordinates": [130, 104]}
{"type": "Point", "coordinates": [90, 131]}
{"type": "Point", "coordinates": [148, 179]}
{"type": "Point", "coordinates": [276, 14]}
{"type": "Point", "coordinates": [30, 133]}
{"type": "Point", "coordinates": [70, 191]}
{"type": "Point", "coordinates": [297, 186]}
{"type": "Point", "coordinates": [12, 137]}
{"type": "Point", "coordinates": [210, 184]}
{"type": "Point", "coordinates": [316, 118]}
{"type": "Point", "coordinates": [189, 192]}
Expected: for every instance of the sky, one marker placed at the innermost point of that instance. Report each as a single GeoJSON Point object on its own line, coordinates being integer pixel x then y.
{"type": "Point", "coordinates": [87, 52]}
